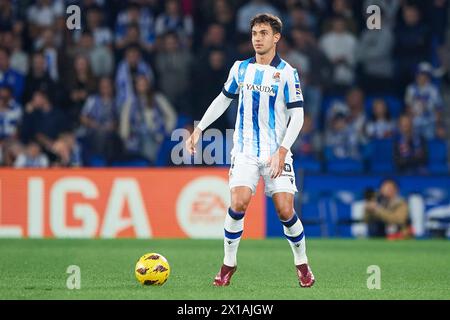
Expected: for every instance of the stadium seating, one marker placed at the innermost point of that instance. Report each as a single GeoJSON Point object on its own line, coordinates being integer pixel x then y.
{"type": "Point", "coordinates": [341, 217]}
{"type": "Point", "coordinates": [96, 162]}
{"type": "Point", "coordinates": [137, 163]}
{"type": "Point", "coordinates": [437, 156]}
{"type": "Point", "coordinates": [313, 214]}
{"type": "Point", "coordinates": [345, 166]}
{"type": "Point", "coordinates": [380, 156]}
{"type": "Point", "coordinates": [342, 165]}
{"type": "Point", "coordinates": [308, 164]}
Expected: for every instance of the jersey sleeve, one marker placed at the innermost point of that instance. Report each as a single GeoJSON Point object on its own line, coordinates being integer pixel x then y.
{"type": "Point", "coordinates": [231, 86]}
{"type": "Point", "coordinates": [293, 96]}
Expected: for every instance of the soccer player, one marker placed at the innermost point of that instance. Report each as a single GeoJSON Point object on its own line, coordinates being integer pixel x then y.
{"type": "Point", "coordinates": [269, 119]}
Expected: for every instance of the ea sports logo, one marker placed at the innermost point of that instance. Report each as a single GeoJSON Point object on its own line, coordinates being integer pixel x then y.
{"type": "Point", "coordinates": [201, 207]}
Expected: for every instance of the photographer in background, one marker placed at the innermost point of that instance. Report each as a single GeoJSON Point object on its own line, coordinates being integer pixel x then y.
{"type": "Point", "coordinates": [386, 213]}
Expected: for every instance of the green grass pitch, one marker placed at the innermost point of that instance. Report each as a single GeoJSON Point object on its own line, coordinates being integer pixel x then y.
{"type": "Point", "coordinates": [36, 269]}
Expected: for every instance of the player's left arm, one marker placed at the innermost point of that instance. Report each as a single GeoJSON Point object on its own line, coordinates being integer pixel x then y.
{"type": "Point", "coordinates": [294, 103]}
{"type": "Point", "coordinates": [293, 130]}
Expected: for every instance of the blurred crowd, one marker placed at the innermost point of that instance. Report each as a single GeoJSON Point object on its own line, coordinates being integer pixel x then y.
{"type": "Point", "coordinates": [111, 92]}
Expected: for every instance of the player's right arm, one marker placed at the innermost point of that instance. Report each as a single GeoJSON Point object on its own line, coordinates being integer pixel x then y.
{"type": "Point", "coordinates": [229, 92]}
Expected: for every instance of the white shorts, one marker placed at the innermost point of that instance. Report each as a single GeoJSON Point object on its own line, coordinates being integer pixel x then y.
{"type": "Point", "coordinates": [246, 170]}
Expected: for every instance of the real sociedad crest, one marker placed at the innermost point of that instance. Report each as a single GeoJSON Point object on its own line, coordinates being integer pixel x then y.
{"type": "Point", "coordinates": [276, 76]}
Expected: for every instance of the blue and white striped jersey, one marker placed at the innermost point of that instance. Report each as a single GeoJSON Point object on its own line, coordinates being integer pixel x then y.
{"type": "Point", "coordinates": [9, 120]}
{"type": "Point", "coordinates": [265, 92]}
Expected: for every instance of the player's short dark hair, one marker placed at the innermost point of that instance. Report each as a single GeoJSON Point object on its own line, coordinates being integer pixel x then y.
{"type": "Point", "coordinates": [274, 22]}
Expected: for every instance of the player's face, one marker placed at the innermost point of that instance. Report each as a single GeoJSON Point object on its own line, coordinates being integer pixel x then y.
{"type": "Point", "coordinates": [263, 38]}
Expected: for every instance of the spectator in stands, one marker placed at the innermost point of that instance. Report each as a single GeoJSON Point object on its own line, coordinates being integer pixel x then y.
{"type": "Point", "coordinates": [387, 213]}
{"type": "Point", "coordinates": [224, 15]}
{"type": "Point", "coordinates": [317, 9]}
{"type": "Point", "coordinates": [10, 115]}
{"type": "Point", "coordinates": [39, 79]}
{"type": "Point", "coordinates": [128, 69]}
{"type": "Point", "coordinates": [32, 157]}
{"type": "Point", "coordinates": [100, 56]}
{"type": "Point", "coordinates": [340, 140]}
{"type": "Point", "coordinates": [142, 21]}
{"type": "Point", "coordinates": [215, 37]}
{"type": "Point", "coordinates": [308, 145]}
{"type": "Point", "coordinates": [44, 13]}
{"type": "Point", "coordinates": [173, 64]}
{"type": "Point", "coordinates": [356, 113]}
{"type": "Point", "coordinates": [339, 45]}
{"type": "Point", "coordinates": [214, 69]}
{"type": "Point", "coordinates": [296, 59]}
{"type": "Point", "coordinates": [216, 12]}
{"type": "Point", "coordinates": [423, 101]}
{"type": "Point", "coordinates": [42, 122]}
{"type": "Point", "coordinates": [10, 77]}
{"type": "Point", "coordinates": [47, 44]}
{"type": "Point", "coordinates": [343, 9]}
{"type": "Point", "coordinates": [173, 20]}
{"type": "Point", "coordinates": [83, 45]}
{"type": "Point", "coordinates": [7, 41]}
{"type": "Point", "coordinates": [251, 9]}
{"type": "Point", "coordinates": [380, 125]}
{"type": "Point", "coordinates": [410, 149]}
{"type": "Point", "coordinates": [81, 84]}
{"type": "Point", "coordinates": [145, 121]}
{"type": "Point", "coordinates": [7, 15]}
{"type": "Point", "coordinates": [133, 37]}
{"type": "Point", "coordinates": [374, 52]}
{"type": "Point", "coordinates": [63, 39]}
{"type": "Point", "coordinates": [315, 70]}
{"type": "Point", "coordinates": [301, 18]}
{"type": "Point", "coordinates": [94, 23]}
{"type": "Point", "coordinates": [18, 59]}
{"type": "Point", "coordinates": [337, 106]}
{"type": "Point", "coordinates": [9, 151]}
{"type": "Point", "coordinates": [67, 151]}
{"type": "Point", "coordinates": [99, 118]}
{"type": "Point", "coordinates": [412, 44]}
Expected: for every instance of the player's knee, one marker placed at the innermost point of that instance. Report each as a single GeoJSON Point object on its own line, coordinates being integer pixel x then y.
{"type": "Point", "coordinates": [285, 212]}
{"type": "Point", "coordinates": [239, 205]}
